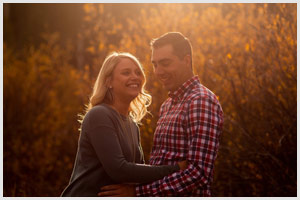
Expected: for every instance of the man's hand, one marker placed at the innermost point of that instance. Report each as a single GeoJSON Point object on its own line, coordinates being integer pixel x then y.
{"type": "Point", "coordinates": [183, 164]}
{"type": "Point", "coordinates": [120, 190]}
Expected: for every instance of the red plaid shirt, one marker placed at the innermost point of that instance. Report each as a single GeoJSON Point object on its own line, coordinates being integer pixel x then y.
{"type": "Point", "coordinates": [188, 128]}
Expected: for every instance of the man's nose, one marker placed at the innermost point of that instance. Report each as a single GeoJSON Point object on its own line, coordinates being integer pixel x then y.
{"type": "Point", "coordinates": [158, 71]}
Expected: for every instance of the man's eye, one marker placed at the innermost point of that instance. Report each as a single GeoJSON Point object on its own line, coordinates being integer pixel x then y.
{"type": "Point", "coordinates": [165, 63]}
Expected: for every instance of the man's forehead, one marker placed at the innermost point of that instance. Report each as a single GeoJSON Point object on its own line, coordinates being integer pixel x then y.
{"type": "Point", "coordinates": [163, 52]}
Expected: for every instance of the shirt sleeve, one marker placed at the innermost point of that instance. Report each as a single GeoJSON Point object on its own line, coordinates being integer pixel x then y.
{"type": "Point", "coordinates": [104, 140]}
{"type": "Point", "coordinates": [204, 123]}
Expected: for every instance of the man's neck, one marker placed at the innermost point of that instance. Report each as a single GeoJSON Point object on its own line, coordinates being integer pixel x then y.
{"type": "Point", "coordinates": [185, 79]}
{"type": "Point", "coordinates": [187, 76]}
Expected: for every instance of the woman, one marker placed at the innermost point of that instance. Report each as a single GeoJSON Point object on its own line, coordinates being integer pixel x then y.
{"type": "Point", "coordinates": [109, 149]}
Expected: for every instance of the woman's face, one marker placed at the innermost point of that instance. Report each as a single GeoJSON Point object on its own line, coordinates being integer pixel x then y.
{"type": "Point", "coordinates": [127, 80]}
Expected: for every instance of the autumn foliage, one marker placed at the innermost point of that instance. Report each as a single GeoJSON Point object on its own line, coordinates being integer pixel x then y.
{"type": "Point", "coordinates": [245, 53]}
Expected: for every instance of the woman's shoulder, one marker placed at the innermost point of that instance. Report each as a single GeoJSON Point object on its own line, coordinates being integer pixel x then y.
{"type": "Point", "coordinates": [99, 113]}
{"type": "Point", "coordinates": [101, 108]}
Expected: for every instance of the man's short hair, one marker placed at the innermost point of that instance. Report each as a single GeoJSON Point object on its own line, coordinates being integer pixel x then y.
{"type": "Point", "coordinates": [181, 45]}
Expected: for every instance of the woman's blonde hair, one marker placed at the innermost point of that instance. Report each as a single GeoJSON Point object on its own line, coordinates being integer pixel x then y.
{"type": "Point", "coordinates": [102, 94]}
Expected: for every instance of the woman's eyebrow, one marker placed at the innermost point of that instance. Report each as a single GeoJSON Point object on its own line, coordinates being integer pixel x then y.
{"type": "Point", "coordinates": [125, 69]}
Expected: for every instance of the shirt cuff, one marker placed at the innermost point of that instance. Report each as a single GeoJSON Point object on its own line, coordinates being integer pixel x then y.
{"type": "Point", "coordinates": [139, 190]}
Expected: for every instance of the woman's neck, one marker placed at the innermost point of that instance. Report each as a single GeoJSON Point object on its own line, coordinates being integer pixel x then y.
{"type": "Point", "coordinates": [121, 106]}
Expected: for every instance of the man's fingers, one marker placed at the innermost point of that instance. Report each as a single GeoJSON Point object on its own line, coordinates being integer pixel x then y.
{"type": "Point", "coordinates": [110, 190]}
{"type": "Point", "coordinates": [108, 193]}
{"type": "Point", "coordinates": [110, 187]}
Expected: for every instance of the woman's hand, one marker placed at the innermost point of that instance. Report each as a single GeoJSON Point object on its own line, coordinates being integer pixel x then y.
{"type": "Point", "coordinates": [183, 165]}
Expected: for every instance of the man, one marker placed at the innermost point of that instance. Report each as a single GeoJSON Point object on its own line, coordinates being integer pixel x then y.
{"type": "Point", "coordinates": [189, 125]}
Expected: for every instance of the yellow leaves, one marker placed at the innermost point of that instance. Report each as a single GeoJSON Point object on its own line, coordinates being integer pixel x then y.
{"type": "Point", "coordinates": [278, 38]}
{"type": "Point", "coordinates": [291, 41]}
{"type": "Point", "coordinates": [91, 49]}
{"type": "Point", "coordinates": [258, 176]}
{"type": "Point", "coordinates": [90, 9]}
{"type": "Point", "coordinates": [111, 47]}
{"type": "Point", "coordinates": [87, 7]}
{"type": "Point", "coordinates": [247, 47]}
{"type": "Point", "coordinates": [186, 19]}
{"type": "Point", "coordinates": [101, 46]}
{"type": "Point", "coordinates": [289, 71]}
{"type": "Point", "coordinates": [261, 11]}
{"type": "Point", "coordinates": [196, 14]}
{"type": "Point", "coordinates": [276, 20]}
{"type": "Point", "coordinates": [148, 121]}
{"type": "Point", "coordinates": [282, 99]}
{"type": "Point", "coordinates": [101, 8]}
{"type": "Point", "coordinates": [150, 130]}
{"type": "Point", "coordinates": [87, 18]}
{"type": "Point", "coordinates": [251, 165]}
{"type": "Point", "coordinates": [143, 12]}
{"type": "Point", "coordinates": [86, 73]}
{"type": "Point", "coordinates": [229, 56]}
{"type": "Point", "coordinates": [199, 40]}
{"type": "Point", "coordinates": [74, 74]}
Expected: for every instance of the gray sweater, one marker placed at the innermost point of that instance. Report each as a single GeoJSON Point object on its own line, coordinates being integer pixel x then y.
{"type": "Point", "coordinates": [105, 154]}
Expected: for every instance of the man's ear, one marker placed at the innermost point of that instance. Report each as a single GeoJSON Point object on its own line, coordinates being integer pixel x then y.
{"type": "Point", "coordinates": [187, 60]}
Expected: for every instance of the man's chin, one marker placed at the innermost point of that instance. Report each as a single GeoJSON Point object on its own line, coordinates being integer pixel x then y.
{"type": "Point", "coordinates": [166, 87]}
{"type": "Point", "coordinates": [169, 88]}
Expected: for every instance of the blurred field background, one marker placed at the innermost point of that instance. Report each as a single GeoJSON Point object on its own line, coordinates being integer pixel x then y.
{"type": "Point", "coordinates": [245, 53]}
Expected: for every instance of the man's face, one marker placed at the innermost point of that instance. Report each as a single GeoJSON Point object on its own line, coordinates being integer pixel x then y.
{"type": "Point", "coordinates": [170, 69]}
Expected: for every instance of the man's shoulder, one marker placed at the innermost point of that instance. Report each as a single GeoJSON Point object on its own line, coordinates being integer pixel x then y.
{"type": "Point", "coordinates": [166, 102]}
{"type": "Point", "coordinates": [200, 92]}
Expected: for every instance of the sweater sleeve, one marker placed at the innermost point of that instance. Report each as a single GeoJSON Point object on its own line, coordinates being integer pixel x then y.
{"type": "Point", "coordinates": [142, 159]}
{"type": "Point", "coordinates": [104, 140]}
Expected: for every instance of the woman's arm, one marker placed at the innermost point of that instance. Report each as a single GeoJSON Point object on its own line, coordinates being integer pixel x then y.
{"type": "Point", "coordinates": [103, 137]}
{"type": "Point", "coordinates": [106, 144]}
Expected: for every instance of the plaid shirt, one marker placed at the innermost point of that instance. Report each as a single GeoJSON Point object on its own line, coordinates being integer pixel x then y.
{"type": "Point", "coordinates": [188, 128]}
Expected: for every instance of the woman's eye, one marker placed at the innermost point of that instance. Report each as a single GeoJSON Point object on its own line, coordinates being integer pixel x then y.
{"type": "Point", "coordinates": [139, 73]}
{"type": "Point", "coordinates": [126, 73]}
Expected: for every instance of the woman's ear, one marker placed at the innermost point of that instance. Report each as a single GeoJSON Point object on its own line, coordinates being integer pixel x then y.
{"type": "Point", "coordinates": [108, 83]}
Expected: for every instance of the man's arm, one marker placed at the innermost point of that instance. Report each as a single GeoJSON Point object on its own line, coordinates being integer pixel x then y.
{"type": "Point", "coordinates": [126, 190]}
{"type": "Point", "coordinates": [204, 121]}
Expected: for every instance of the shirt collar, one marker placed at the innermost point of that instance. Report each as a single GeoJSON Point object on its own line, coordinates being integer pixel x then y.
{"type": "Point", "coordinates": [178, 94]}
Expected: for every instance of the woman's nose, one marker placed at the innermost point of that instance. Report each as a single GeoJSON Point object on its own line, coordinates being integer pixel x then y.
{"type": "Point", "coordinates": [135, 76]}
